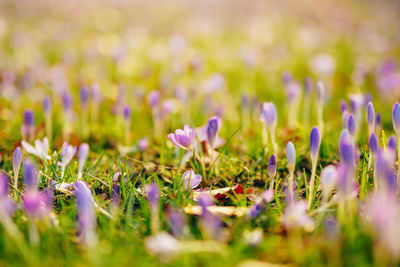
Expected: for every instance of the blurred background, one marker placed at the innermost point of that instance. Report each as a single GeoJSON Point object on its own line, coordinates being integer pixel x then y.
{"type": "Point", "coordinates": [188, 49]}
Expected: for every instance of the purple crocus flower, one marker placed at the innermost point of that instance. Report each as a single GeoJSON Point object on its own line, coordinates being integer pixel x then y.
{"type": "Point", "coordinates": [213, 126]}
{"type": "Point", "coordinates": [268, 114]}
{"type": "Point", "coordinates": [291, 156]}
{"type": "Point", "coordinates": [378, 122]}
{"type": "Point", "coordinates": [184, 139]}
{"type": "Point", "coordinates": [396, 118]}
{"type": "Point", "coordinates": [143, 144]}
{"type": "Point", "coordinates": [16, 164]}
{"type": "Point", "coordinates": [7, 205]}
{"type": "Point", "coordinates": [177, 222]}
{"type": "Point", "coordinates": [315, 142]}
{"type": "Point", "coordinates": [190, 180]}
{"type": "Point", "coordinates": [153, 194]}
{"type": "Point", "coordinates": [30, 176]}
{"type": "Point", "coordinates": [384, 170]}
{"type": "Point", "coordinates": [29, 118]}
{"type": "Point", "coordinates": [346, 148]}
{"type": "Point", "coordinates": [343, 106]}
{"type": "Point", "coordinates": [286, 77]}
{"type": "Point", "coordinates": [127, 112]}
{"type": "Point", "coordinates": [47, 105]}
{"type": "Point", "coordinates": [36, 204]}
{"type": "Point", "coordinates": [210, 224]}
{"type": "Point", "coordinates": [86, 216]}
{"type": "Point", "coordinates": [272, 166]}
{"type": "Point", "coordinates": [83, 154]}
{"type": "Point", "coordinates": [373, 144]}
{"type": "Point", "coordinates": [328, 180]}
{"type": "Point", "coordinates": [153, 98]}
{"type": "Point", "coordinates": [66, 100]}
{"type": "Point", "coordinates": [351, 125]}
{"type": "Point", "coordinates": [84, 96]}
{"type": "Point", "coordinates": [371, 117]}
{"type": "Point", "coordinates": [391, 145]}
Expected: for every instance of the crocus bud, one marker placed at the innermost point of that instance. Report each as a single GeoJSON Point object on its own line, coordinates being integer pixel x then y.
{"type": "Point", "coordinates": [315, 142]}
{"type": "Point", "coordinates": [30, 176]}
{"type": "Point", "coordinates": [351, 125]}
{"type": "Point", "coordinates": [16, 161]}
{"type": "Point", "coordinates": [343, 106]}
{"type": "Point", "coordinates": [291, 156]}
{"type": "Point", "coordinates": [153, 98]}
{"type": "Point", "coordinates": [378, 122]}
{"type": "Point", "coordinates": [328, 179]}
{"type": "Point", "coordinates": [373, 144]}
{"type": "Point", "coordinates": [286, 77]}
{"type": "Point", "coordinates": [268, 114]}
{"type": "Point", "coordinates": [391, 145]}
{"type": "Point", "coordinates": [345, 118]}
{"type": "Point", "coordinates": [47, 105]}
{"type": "Point", "coordinates": [213, 126]}
{"type": "Point", "coordinates": [83, 154]}
{"type": "Point", "coordinates": [371, 117]}
{"type": "Point", "coordinates": [84, 96]}
{"type": "Point", "coordinates": [396, 118]}
{"type": "Point", "coordinates": [143, 144]}
{"type": "Point", "coordinates": [86, 216]}
{"type": "Point", "coordinates": [127, 112]}
{"type": "Point", "coordinates": [66, 100]}
{"type": "Point", "coordinates": [384, 171]}
{"type": "Point", "coordinates": [272, 166]}
{"type": "Point", "coordinates": [153, 194]}
{"type": "Point", "coordinates": [346, 149]}
{"type": "Point", "coordinates": [29, 117]}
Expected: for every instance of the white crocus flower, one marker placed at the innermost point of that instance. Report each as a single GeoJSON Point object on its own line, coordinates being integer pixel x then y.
{"type": "Point", "coordinates": [40, 149]}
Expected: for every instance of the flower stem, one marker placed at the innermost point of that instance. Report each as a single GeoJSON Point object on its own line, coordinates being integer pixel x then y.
{"type": "Point", "coordinates": [312, 181]}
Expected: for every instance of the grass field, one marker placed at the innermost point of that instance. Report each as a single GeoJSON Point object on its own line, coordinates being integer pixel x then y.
{"type": "Point", "coordinates": [191, 133]}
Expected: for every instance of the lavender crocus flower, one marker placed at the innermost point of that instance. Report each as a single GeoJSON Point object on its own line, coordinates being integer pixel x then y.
{"type": "Point", "coordinates": [83, 154]}
{"type": "Point", "coordinates": [328, 180]}
{"type": "Point", "coordinates": [190, 180]}
{"type": "Point", "coordinates": [373, 144]}
{"type": "Point", "coordinates": [396, 118]}
{"type": "Point", "coordinates": [371, 117]}
{"type": "Point", "coordinates": [7, 206]}
{"type": "Point", "coordinates": [392, 145]}
{"type": "Point", "coordinates": [346, 148]}
{"type": "Point", "coordinates": [153, 194]}
{"type": "Point", "coordinates": [315, 142]}
{"type": "Point", "coordinates": [16, 164]}
{"type": "Point", "coordinates": [269, 118]}
{"type": "Point", "coordinates": [36, 204]}
{"type": "Point", "coordinates": [378, 122]}
{"type": "Point", "coordinates": [307, 85]}
{"type": "Point", "coordinates": [291, 164]}
{"type": "Point", "coordinates": [30, 176]}
{"type": "Point", "coordinates": [213, 126]}
{"type": "Point", "coordinates": [184, 139]}
{"type": "Point", "coordinates": [295, 216]}
{"type": "Point", "coordinates": [47, 105]}
{"type": "Point", "coordinates": [209, 223]}
{"type": "Point", "coordinates": [153, 98]}
{"type": "Point", "coordinates": [67, 153]}
{"type": "Point", "coordinates": [351, 125]}
{"type": "Point", "coordinates": [28, 127]}
{"type": "Point", "coordinates": [177, 222]}
{"type": "Point", "coordinates": [84, 96]}
{"type": "Point", "coordinates": [66, 100]}
{"type": "Point", "coordinates": [143, 144]}
{"type": "Point", "coordinates": [272, 166]}
{"type": "Point", "coordinates": [86, 216]}
{"type": "Point", "coordinates": [386, 178]}
{"type": "Point", "coordinates": [127, 112]}
{"type": "Point", "coordinates": [40, 150]}
{"type": "Point", "coordinates": [343, 106]}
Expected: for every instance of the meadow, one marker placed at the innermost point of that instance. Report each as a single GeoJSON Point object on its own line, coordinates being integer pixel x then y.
{"type": "Point", "coordinates": [191, 133]}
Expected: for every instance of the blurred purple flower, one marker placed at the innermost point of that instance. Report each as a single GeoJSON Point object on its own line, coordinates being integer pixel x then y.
{"type": "Point", "coordinates": [295, 216]}
{"type": "Point", "coordinates": [30, 176]}
{"type": "Point", "coordinates": [16, 162]}
{"type": "Point", "coordinates": [127, 112]}
{"type": "Point", "coordinates": [86, 216]}
{"type": "Point", "coordinates": [153, 98]}
{"type": "Point", "coordinates": [396, 118]}
{"type": "Point", "coordinates": [291, 156]}
{"type": "Point", "coordinates": [83, 154]}
{"type": "Point", "coordinates": [351, 125]}
{"type": "Point", "coordinates": [268, 114]}
{"type": "Point", "coordinates": [143, 144]}
{"type": "Point", "coordinates": [47, 105]}
{"type": "Point", "coordinates": [177, 221]}
{"type": "Point", "coordinates": [213, 126]}
{"type": "Point", "coordinates": [7, 205]}
{"type": "Point", "coordinates": [83, 96]}
{"type": "Point", "coordinates": [343, 106]}
{"type": "Point", "coordinates": [315, 142]}
{"type": "Point", "coordinates": [153, 194]}
{"type": "Point", "coordinates": [328, 179]}
{"type": "Point", "coordinates": [307, 85]}
{"type": "Point", "coordinates": [373, 144]}
{"type": "Point", "coordinates": [272, 166]}
{"type": "Point", "coordinates": [391, 145]}
{"type": "Point", "coordinates": [184, 139]}
{"type": "Point", "coordinates": [371, 117]}
{"type": "Point", "coordinates": [66, 100]}
{"type": "Point", "coordinates": [346, 148]}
